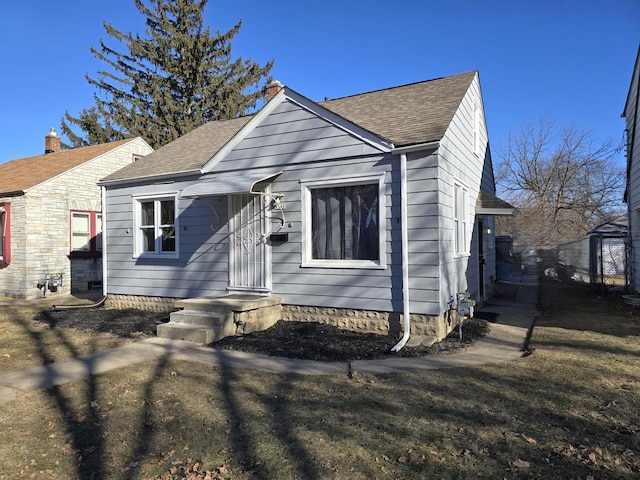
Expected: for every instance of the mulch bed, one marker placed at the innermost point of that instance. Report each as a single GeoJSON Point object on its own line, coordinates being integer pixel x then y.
{"type": "Point", "coordinates": [304, 340]}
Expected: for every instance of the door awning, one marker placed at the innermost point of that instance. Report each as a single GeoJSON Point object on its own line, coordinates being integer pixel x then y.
{"type": "Point", "coordinates": [489, 204]}
{"type": "Point", "coordinates": [223, 184]}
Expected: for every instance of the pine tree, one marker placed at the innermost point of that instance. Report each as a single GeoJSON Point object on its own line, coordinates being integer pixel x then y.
{"type": "Point", "coordinates": [176, 78]}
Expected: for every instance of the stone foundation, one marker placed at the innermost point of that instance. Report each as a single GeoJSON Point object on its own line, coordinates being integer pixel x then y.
{"type": "Point", "coordinates": [150, 304]}
{"type": "Point", "coordinates": [367, 321]}
{"type": "Point", "coordinates": [434, 327]}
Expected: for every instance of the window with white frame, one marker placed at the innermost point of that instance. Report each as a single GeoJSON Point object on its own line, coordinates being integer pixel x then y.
{"type": "Point", "coordinates": [461, 219]}
{"type": "Point", "coordinates": [86, 228]}
{"type": "Point", "coordinates": [5, 233]}
{"type": "Point", "coordinates": [344, 223]}
{"type": "Point", "coordinates": [476, 129]}
{"type": "Point", "coordinates": [156, 226]}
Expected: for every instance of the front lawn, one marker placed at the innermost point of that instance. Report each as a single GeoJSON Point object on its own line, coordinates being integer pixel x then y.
{"type": "Point", "coordinates": [567, 410]}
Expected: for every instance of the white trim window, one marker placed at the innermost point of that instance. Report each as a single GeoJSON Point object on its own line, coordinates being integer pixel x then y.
{"type": "Point", "coordinates": [86, 233]}
{"type": "Point", "coordinates": [156, 226]}
{"type": "Point", "coordinates": [476, 129]}
{"type": "Point", "coordinates": [461, 219]}
{"type": "Point", "coordinates": [344, 223]}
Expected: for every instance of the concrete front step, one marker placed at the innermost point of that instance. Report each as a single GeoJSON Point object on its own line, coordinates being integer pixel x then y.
{"type": "Point", "coordinates": [208, 319]}
{"type": "Point", "coordinates": [227, 303]}
{"type": "Point", "coordinates": [201, 317]}
{"type": "Point", "coordinates": [203, 334]}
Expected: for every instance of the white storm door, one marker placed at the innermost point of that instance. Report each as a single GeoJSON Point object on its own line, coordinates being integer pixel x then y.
{"type": "Point", "coordinates": [249, 266]}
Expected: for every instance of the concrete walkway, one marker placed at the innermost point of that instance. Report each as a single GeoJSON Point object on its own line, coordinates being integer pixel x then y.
{"type": "Point", "coordinates": [506, 340]}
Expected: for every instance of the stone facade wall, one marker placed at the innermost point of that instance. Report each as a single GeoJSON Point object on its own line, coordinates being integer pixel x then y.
{"type": "Point", "coordinates": [46, 216]}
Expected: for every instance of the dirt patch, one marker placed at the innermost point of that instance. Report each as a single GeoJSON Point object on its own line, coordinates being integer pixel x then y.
{"type": "Point", "coordinates": [127, 323]}
{"type": "Point", "coordinates": [316, 341]}
{"type": "Point", "coordinates": [304, 340]}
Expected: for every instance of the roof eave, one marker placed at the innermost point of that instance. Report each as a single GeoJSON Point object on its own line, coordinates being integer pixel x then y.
{"type": "Point", "coordinates": [418, 147]}
{"type": "Point", "coordinates": [496, 211]}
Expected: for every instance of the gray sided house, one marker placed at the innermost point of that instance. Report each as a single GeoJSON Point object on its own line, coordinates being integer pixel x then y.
{"type": "Point", "coordinates": [51, 217]}
{"type": "Point", "coordinates": [355, 211]}
{"type": "Point", "coordinates": [632, 195]}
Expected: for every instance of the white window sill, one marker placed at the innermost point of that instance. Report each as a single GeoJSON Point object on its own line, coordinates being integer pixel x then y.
{"type": "Point", "coordinates": [157, 256]}
{"type": "Point", "coordinates": [366, 265]}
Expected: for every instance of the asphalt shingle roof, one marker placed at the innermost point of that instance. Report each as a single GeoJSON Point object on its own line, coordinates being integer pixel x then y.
{"type": "Point", "coordinates": [405, 115]}
{"type": "Point", "coordinates": [409, 114]}
{"type": "Point", "coordinates": [24, 173]}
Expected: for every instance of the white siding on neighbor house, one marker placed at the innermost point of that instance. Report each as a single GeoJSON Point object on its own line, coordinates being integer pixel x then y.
{"type": "Point", "coordinates": [631, 114]}
{"type": "Point", "coordinates": [470, 165]}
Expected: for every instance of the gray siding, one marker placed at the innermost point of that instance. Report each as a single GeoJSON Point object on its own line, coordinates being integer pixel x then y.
{"type": "Point", "coordinates": [460, 162]}
{"type": "Point", "coordinates": [633, 154]}
{"type": "Point", "coordinates": [292, 135]}
{"type": "Point", "coordinates": [308, 148]}
{"type": "Point", "coordinates": [201, 269]}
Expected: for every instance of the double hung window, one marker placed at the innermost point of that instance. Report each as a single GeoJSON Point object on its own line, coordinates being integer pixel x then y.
{"type": "Point", "coordinates": [461, 219]}
{"type": "Point", "coordinates": [156, 227]}
{"type": "Point", "coordinates": [345, 224]}
{"type": "Point", "coordinates": [86, 233]}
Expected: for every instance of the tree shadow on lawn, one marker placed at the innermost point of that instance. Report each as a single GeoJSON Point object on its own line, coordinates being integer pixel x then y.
{"type": "Point", "coordinates": [83, 427]}
{"type": "Point", "coordinates": [83, 424]}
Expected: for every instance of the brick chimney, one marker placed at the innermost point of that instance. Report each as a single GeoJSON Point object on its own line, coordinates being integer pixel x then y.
{"type": "Point", "coordinates": [272, 89]}
{"type": "Point", "coordinates": [51, 142]}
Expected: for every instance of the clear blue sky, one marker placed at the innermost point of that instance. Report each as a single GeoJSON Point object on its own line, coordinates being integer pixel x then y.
{"type": "Point", "coordinates": [568, 60]}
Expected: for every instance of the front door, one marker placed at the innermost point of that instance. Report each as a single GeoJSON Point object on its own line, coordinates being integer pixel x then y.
{"type": "Point", "coordinates": [249, 265]}
{"type": "Point", "coordinates": [481, 259]}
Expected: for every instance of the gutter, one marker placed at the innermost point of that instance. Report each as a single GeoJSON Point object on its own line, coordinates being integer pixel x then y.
{"type": "Point", "coordinates": [150, 178]}
{"type": "Point", "coordinates": [406, 305]}
{"type": "Point", "coordinates": [103, 199]}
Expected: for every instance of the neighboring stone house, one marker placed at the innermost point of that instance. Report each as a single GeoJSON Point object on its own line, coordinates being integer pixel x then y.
{"type": "Point", "coordinates": [50, 217]}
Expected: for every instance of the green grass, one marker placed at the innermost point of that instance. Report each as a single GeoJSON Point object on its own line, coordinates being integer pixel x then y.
{"type": "Point", "coordinates": [568, 410]}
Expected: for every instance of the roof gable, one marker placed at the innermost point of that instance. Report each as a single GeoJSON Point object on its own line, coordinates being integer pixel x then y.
{"type": "Point", "coordinates": [22, 174]}
{"type": "Point", "coordinates": [289, 95]}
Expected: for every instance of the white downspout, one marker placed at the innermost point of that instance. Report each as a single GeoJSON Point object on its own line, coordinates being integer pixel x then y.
{"type": "Point", "coordinates": [405, 255]}
{"type": "Point", "coordinates": [103, 199]}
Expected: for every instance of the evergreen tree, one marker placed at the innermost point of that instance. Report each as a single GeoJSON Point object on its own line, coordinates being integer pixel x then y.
{"type": "Point", "coordinates": [176, 78]}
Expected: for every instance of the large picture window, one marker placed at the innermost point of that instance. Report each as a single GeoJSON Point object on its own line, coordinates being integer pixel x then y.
{"type": "Point", "coordinates": [86, 233]}
{"type": "Point", "coordinates": [461, 219]}
{"type": "Point", "coordinates": [345, 224]}
{"type": "Point", "coordinates": [5, 233]}
{"type": "Point", "coordinates": [156, 227]}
